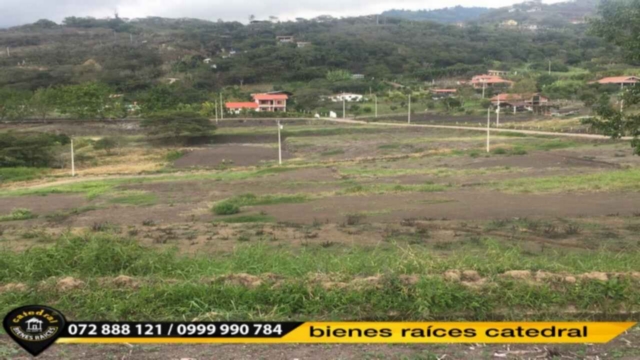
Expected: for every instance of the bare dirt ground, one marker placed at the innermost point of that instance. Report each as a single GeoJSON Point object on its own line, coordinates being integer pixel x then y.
{"type": "Point", "coordinates": [459, 205]}
{"type": "Point", "coordinates": [234, 155]}
{"type": "Point", "coordinates": [626, 347]}
{"type": "Point", "coordinates": [41, 204]}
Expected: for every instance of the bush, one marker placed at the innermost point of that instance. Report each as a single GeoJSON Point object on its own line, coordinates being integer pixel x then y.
{"type": "Point", "coordinates": [29, 149]}
{"type": "Point", "coordinates": [226, 208]}
{"type": "Point", "coordinates": [107, 143]}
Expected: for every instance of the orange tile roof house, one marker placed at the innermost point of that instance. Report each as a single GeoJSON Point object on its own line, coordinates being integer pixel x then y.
{"type": "Point", "coordinates": [479, 81]}
{"type": "Point", "coordinates": [237, 107]}
{"type": "Point", "coordinates": [619, 80]}
{"type": "Point", "coordinates": [261, 102]}
{"type": "Point", "coordinates": [271, 102]}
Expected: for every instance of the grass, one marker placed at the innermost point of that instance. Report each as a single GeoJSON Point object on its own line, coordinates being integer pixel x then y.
{"type": "Point", "coordinates": [60, 216]}
{"type": "Point", "coordinates": [251, 199]}
{"type": "Point", "coordinates": [95, 188]}
{"type": "Point", "coordinates": [135, 198]}
{"type": "Point", "coordinates": [93, 256]}
{"type": "Point", "coordinates": [174, 155]}
{"type": "Point", "coordinates": [18, 214]}
{"type": "Point", "coordinates": [21, 174]}
{"type": "Point", "coordinates": [226, 208]}
{"type": "Point", "coordinates": [619, 180]}
{"type": "Point", "coordinates": [332, 152]}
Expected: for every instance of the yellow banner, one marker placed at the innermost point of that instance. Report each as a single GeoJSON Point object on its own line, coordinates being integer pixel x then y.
{"type": "Point", "coordinates": [413, 332]}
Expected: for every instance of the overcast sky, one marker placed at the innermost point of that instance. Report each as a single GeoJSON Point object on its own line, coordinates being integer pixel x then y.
{"type": "Point", "coordinates": [18, 12]}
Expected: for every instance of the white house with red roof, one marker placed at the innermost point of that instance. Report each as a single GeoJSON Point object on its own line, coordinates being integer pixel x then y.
{"type": "Point", "coordinates": [276, 101]}
{"type": "Point", "coordinates": [480, 81]}
{"type": "Point", "coordinates": [271, 102]}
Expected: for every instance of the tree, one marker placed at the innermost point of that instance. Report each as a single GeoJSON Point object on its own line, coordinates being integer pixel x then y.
{"type": "Point", "coordinates": [619, 24]}
{"type": "Point", "coordinates": [44, 101]}
{"type": "Point", "coordinates": [29, 149]}
{"type": "Point", "coordinates": [88, 101]}
{"type": "Point", "coordinates": [14, 104]}
{"type": "Point", "coordinates": [524, 86]}
{"type": "Point", "coordinates": [107, 144]}
{"type": "Point", "coordinates": [177, 126]}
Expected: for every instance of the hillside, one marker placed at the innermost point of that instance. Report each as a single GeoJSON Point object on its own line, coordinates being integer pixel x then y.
{"type": "Point", "coordinates": [546, 15]}
{"type": "Point", "coordinates": [133, 55]}
{"type": "Point", "coordinates": [446, 15]}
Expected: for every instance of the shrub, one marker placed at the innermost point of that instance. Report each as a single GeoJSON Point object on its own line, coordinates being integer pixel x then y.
{"type": "Point", "coordinates": [18, 214]}
{"type": "Point", "coordinates": [226, 208]}
{"type": "Point", "coordinates": [108, 143]}
{"type": "Point", "coordinates": [29, 149]}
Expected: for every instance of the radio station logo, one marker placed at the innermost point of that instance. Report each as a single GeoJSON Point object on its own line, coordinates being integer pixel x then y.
{"type": "Point", "coordinates": [34, 327]}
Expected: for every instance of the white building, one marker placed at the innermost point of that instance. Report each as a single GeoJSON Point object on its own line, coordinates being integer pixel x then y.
{"type": "Point", "coordinates": [348, 97]}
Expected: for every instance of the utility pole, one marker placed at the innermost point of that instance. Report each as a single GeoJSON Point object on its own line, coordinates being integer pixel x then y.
{"type": "Point", "coordinates": [376, 105]}
{"type": "Point", "coordinates": [73, 164]}
{"type": "Point", "coordinates": [215, 108]}
{"type": "Point", "coordinates": [221, 108]}
{"type": "Point", "coordinates": [498, 112]}
{"type": "Point", "coordinates": [279, 144]}
{"type": "Point", "coordinates": [8, 52]}
{"type": "Point", "coordinates": [549, 67]}
{"type": "Point", "coordinates": [484, 85]}
{"type": "Point", "coordinates": [409, 111]}
{"type": "Point", "coordinates": [489, 129]}
{"type": "Point", "coordinates": [344, 107]}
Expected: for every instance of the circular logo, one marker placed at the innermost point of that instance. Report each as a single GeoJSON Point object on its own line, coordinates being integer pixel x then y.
{"type": "Point", "coordinates": [34, 327]}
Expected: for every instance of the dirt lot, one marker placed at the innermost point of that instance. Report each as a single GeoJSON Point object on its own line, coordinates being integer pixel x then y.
{"type": "Point", "coordinates": [231, 155]}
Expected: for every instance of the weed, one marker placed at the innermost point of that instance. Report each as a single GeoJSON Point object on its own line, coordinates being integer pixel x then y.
{"type": "Point", "coordinates": [572, 229]}
{"type": "Point", "coordinates": [226, 208]}
{"type": "Point", "coordinates": [104, 227]}
{"type": "Point", "coordinates": [353, 219]}
{"type": "Point", "coordinates": [174, 155]}
{"type": "Point", "coordinates": [18, 214]}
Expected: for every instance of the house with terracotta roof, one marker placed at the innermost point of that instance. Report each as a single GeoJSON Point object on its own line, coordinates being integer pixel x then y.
{"type": "Point", "coordinates": [237, 107]}
{"type": "Point", "coordinates": [618, 80]}
{"type": "Point", "coordinates": [481, 81]}
{"type": "Point", "coordinates": [271, 102]}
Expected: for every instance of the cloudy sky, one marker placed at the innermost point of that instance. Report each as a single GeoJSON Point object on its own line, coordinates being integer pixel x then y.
{"type": "Point", "coordinates": [17, 12]}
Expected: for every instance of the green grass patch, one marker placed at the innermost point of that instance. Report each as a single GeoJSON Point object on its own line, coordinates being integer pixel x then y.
{"type": "Point", "coordinates": [226, 208]}
{"type": "Point", "coordinates": [135, 198]}
{"type": "Point", "coordinates": [332, 152]}
{"type": "Point", "coordinates": [389, 146]}
{"type": "Point", "coordinates": [60, 216]}
{"type": "Point", "coordinates": [21, 174]}
{"type": "Point", "coordinates": [174, 155]}
{"type": "Point", "coordinates": [18, 214]}
{"type": "Point", "coordinates": [93, 256]}
{"type": "Point", "coordinates": [619, 180]}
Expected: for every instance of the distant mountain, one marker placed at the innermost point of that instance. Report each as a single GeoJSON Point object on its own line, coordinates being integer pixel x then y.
{"type": "Point", "coordinates": [446, 15]}
{"type": "Point", "coordinates": [548, 15]}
